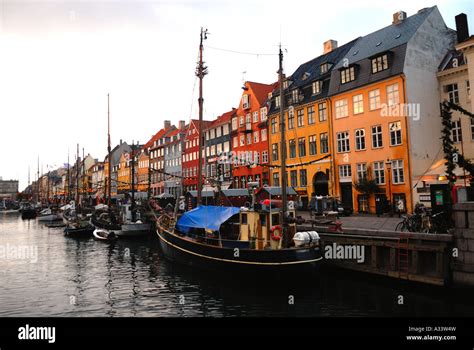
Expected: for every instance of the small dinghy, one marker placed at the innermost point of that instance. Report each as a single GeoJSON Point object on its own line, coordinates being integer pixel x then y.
{"type": "Point", "coordinates": [79, 229]}
{"type": "Point", "coordinates": [104, 235]}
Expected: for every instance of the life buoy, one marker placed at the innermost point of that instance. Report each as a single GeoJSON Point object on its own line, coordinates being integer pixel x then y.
{"type": "Point", "coordinates": [276, 233]}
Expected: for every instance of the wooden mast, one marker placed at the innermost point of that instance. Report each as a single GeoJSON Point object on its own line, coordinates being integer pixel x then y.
{"type": "Point", "coordinates": [109, 151]}
{"type": "Point", "coordinates": [201, 71]}
{"type": "Point", "coordinates": [283, 140]}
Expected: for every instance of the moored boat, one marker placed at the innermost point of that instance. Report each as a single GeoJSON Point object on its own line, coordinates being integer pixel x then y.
{"type": "Point", "coordinates": [47, 215]}
{"type": "Point", "coordinates": [104, 235]}
{"type": "Point", "coordinates": [79, 229]}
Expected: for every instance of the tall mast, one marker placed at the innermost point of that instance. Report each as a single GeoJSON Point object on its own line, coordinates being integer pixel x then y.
{"type": "Point", "coordinates": [68, 187]}
{"type": "Point", "coordinates": [83, 175]}
{"type": "Point", "coordinates": [201, 71]}
{"type": "Point", "coordinates": [283, 140]}
{"type": "Point", "coordinates": [133, 181]}
{"type": "Point", "coordinates": [37, 180]}
{"type": "Point", "coordinates": [77, 175]}
{"type": "Point", "coordinates": [109, 151]}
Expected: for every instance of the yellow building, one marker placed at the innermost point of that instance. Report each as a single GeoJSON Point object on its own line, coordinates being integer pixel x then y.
{"type": "Point", "coordinates": [124, 174]}
{"type": "Point", "coordinates": [307, 118]}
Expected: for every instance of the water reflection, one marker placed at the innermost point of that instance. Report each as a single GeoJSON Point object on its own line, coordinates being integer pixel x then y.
{"type": "Point", "coordinates": [83, 277]}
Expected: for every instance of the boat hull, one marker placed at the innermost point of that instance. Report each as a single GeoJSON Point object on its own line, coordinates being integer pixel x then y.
{"type": "Point", "coordinates": [27, 214]}
{"type": "Point", "coordinates": [133, 230]}
{"type": "Point", "coordinates": [83, 232]}
{"type": "Point", "coordinates": [203, 256]}
{"type": "Point", "coordinates": [48, 218]}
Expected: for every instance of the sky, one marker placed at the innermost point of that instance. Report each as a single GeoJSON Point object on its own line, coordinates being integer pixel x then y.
{"type": "Point", "coordinates": [60, 59]}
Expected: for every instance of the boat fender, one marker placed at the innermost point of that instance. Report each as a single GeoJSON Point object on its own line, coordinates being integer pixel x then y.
{"type": "Point", "coordinates": [276, 232]}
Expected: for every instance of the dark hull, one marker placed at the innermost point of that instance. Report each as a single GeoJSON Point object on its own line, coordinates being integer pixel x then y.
{"type": "Point", "coordinates": [79, 232]}
{"type": "Point", "coordinates": [28, 214]}
{"type": "Point", "coordinates": [250, 261]}
{"type": "Point", "coordinates": [106, 225]}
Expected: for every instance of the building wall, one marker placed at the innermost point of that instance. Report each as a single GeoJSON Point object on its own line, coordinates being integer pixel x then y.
{"type": "Point", "coordinates": [8, 189]}
{"type": "Point", "coordinates": [190, 160]}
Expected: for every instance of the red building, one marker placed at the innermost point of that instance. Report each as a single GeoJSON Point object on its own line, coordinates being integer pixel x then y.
{"type": "Point", "coordinates": [250, 136]}
{"type": "Point", "coordinates": [190, 159]}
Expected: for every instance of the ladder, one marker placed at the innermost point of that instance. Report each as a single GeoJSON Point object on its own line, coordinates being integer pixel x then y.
{"type": "Point", "coordinates": [403, 252]}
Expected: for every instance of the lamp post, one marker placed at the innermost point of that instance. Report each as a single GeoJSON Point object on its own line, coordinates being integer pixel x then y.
{"type": "Point", "coordinates": [388, 163]}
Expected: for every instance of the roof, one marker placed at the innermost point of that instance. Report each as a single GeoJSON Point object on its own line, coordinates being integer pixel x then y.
{"type": "Point", "coordinates": [224, 118]}
{"type": "Point", "coordinates": [260, 91]}
{"type": "Point", "coordinates": [276, 191]}
{"type": "Point", "coordinates": [386, 38]}
{"type": "Point", "coordinates": [447, 62]}
{"type": "Point", "coordinates": [162, 133]}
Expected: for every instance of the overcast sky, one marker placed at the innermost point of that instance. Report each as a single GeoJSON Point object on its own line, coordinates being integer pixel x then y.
{"type": "Point", "coordinates": [59, 59]}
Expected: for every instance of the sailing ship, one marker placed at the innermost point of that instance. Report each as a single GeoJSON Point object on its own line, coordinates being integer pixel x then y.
{"type": "Point", "coordinates": [258, 238]}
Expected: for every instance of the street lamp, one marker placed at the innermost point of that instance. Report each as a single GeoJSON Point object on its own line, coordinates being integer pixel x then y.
{"type": "Point", "coordinates": [388, 163]}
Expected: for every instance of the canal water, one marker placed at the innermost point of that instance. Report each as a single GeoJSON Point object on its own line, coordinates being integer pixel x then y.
{"type": "Point", "coordinates": [44, 273]}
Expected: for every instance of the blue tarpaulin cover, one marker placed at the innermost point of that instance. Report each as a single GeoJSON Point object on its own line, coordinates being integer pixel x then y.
{"type": "Point", "coordinates": [206, 217]}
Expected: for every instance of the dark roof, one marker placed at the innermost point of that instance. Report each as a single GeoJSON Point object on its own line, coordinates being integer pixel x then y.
{"type": "Point", "coordinates": [309, 72]}
{"type": "Point", "coordinates": [276, 191]}
{"type": "Point", "coordinates": [447, 62]}
{"type": "Point", "coordinates": [392, 40]}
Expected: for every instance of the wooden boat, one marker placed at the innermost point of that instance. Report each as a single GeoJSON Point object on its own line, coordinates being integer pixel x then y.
{"type": "Point", "coordinates": [104, 235]}
{"type": "Point", "coordinates": [28, 213]}
{"type": "Point", "coordinates": [250, 243]}
{"type": "Point", "coordinates": [80, 229]}
{"type": "Point", "coordinates": [48, 215]}
{"type": "Point", "coordinates": [55, 224]}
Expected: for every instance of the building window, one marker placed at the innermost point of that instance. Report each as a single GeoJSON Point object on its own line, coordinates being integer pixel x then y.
{"type": "Point", "coordinates": [397, 171]}
{"type": "Point", "coordinates": [249, 139]}
{"type": "Point", "coordinates": [358, 104]}
{"type": "Point", "coordinates": [324, 68]}
{"type": "Point", "coordinates": [360, 139]}
{"type": "Point", "coordinates": [274, 152]}
{"type": "Point", "coordinates": [263, 114]}
{"type": "Point", "coordinates": [379, 63]}
{"type": "Point", "coordinates": [457, 131]}
{"type": "Point", "coordinates": [293, 178]}
{"type": "Point", "coordinates": [472, 129]}
{"type": "Point", "coordinates": [264, 134]}
{"type": "Point", "coordinates": [395, 133]}
{"type": "Point", "coordinates": [234, 123]}
{"type": "Point", "coordinates": [291, 118]}
{"type": "Point", "coordinates": [322, 111]}
{"type": "Point", "coordinates": [276, 179]}
{"type": "Point", "coordinates": [468, 89]}
{"type": "Point", "coordinates": [343, 141]}
{"type": "Point", "coordinates": [317, 87]}
{"type": "Point", "coordinates": [312, 145]}
{"type": "Point", "coordinates": [225, 129]}
{"type": "Point", "coordinates": [302, 147]}
{"type": "Point", "coordinates": [361, 171]}
{"type": "Point", "coordinates": [277, 102]}
{"type": "Point", "coordinates": [292, 145]}
{"type": "Point", "coordinates": [274, 125]}
{"type": "Point", "coordinates": [310, 111]}
{"type": "Point", "coordinates": [303, 178]}
{"type": "Point", "coordinates": [241, 121]}
{"type": "Point", "coordinates": [393, 97]}
{"type": "Point", "coordinates": [379, 173]}
{"type": "Point", "coordinates": [377, 136]}
{"type": "Point", "coordinates": [245, 101]}
{"type": "Point", "coordinates": [294, 95]}
{"type": "Point", "coordinates": [345, 171]}
{"type": "Point", "coordinates": [374, 99]}
{"type": "Point", "coordinates": [256, 136]}
{"type": "Point", "coordinates": [453, 93]}
{"type": "Point", "coordinates": [256, 158]}
{"type": "Point", "coordinates": [324, 143]}
{"type": "Point", "coordinates": [255, 117]}
{"type": "Point", "coordinates": [264, 157]}
{"type": "Point", "coordinates": [341, 108]}
{"type": "Point", "coordinates": [300, 117]}
{"type": "Point", "coordinates": [242, 140]}
{"type": "Point", "coordinates": [347, 75]}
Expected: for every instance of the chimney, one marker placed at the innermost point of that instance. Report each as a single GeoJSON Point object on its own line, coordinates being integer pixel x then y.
{"type": "Point", "coordinates": [167, 124]}
{"type": "Point", "coordinates": [399, 17]}
{"type": "Point", "coordinates": [120, 141]}
{"type": "Point", "coordinates": [329, 45]}
{"type": "Point", "coordinates": [182, 124]}
{"type": "Point", "coordinates": [462, 28]}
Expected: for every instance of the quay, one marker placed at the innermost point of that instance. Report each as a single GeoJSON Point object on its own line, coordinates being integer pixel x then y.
{"type": "Point", "coordinates": [436, 259]}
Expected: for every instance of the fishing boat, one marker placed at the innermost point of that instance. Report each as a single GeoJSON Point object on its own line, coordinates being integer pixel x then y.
{"type": "Point", "coordinates": [28, 211]}
{"type": "Point", "coordinates": [104, 235]}
{"type": "Point", "coordinates": [79, 229]}
{"type": "Point", "coordinates": [47, 215]}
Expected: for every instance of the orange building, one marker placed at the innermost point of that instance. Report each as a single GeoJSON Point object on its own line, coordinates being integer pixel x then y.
{"type": "Point", "coordinates": [124, 174]}
{"type": "Point", "coordinates": [143, 163]}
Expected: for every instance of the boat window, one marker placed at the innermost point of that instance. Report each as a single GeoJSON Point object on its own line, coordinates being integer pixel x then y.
{"type": "Point", "coordinates": [244, 219]}
{"type": "Point", "coordinates": [263, 220]}
{"type": "Point", "coordinates": [275, 219]}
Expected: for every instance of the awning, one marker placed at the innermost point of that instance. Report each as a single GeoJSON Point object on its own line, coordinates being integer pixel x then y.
{"type": "Point", "coordinates": [206, 217]}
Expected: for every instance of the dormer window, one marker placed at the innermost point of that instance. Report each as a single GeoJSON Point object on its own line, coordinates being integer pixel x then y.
{"type": "Point", "coordinates": [294, 95]}
{"type": "Point", "coordinates": [324, 68]}
{"type": "Point", "coordinates": [317, 85]}
{"type": "Point", "coordinates": [277, 101]}
{"type": "Point", "coordinates": [379, 63]}
{"type": "Point", "coordinates": [245, 102]}
{"type": "Point", "coordinates": [347, 75]}
{"type": "Point", "coordinates": [285, 84]}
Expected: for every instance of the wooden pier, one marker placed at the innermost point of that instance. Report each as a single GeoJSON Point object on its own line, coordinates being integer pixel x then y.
{"type": "Point", "coordinates": [417, 257]}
